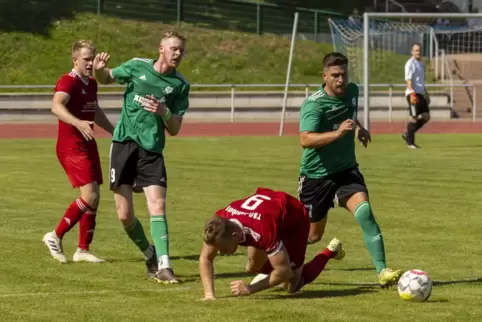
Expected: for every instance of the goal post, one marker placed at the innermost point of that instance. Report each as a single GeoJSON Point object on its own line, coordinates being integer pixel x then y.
{"type": "Point", "coordinates": [288, 73]}
{"type": "Point", "coordinates": [378, 27]}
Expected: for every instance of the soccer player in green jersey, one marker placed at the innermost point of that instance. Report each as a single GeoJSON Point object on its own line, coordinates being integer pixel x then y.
{"type": "Point", "coordinates": [329, 169]}
{"type": "Point", "coordinates": [156, 98]}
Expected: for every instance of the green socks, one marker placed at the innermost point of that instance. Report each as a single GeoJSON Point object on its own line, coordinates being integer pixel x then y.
{"type": "Point", "coordinates": [137, 235]}
{"type": "Point", "coordinates": [160, 238]}
{"type": "Point", "coordinates": [372, 235]}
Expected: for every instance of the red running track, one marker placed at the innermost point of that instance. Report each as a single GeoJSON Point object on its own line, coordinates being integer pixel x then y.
{"type": "Point", "coordinates": [244, 129]}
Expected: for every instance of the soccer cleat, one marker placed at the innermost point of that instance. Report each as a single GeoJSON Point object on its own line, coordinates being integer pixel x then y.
{"type": "Point", "coordinates": [54, 244]}
{"type": "Point", "coordinates": [336, 247]}
{"type": "Point", "coordinates": [410, 146]}
{"type": "Point", "coordinates": [388, 277]}
{"type": "Point", "coordinates": [82, 255]}
{"type": "Point", "coordinates": [166, 276]}
{"type": "Point", "coordinates": [152, 264]}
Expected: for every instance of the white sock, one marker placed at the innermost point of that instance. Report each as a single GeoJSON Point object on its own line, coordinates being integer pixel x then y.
{"type": "Point", "coordinates": [163, 261]}
{"type": "Point", "coordinates": [148, 252]}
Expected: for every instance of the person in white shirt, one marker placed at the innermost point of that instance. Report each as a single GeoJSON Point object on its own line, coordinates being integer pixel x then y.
{"type": "Point", "coordinates": [417, 96]}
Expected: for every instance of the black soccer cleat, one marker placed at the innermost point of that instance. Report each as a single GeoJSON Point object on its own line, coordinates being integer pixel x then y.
{"type": "Point", "coordinates": [152, 264]}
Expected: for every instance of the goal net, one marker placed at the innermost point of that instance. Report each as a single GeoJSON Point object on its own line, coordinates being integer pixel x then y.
{"type": "Point", "coordinates": [451, 48]}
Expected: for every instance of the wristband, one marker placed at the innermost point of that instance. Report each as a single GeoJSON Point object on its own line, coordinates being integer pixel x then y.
{"type": "Point", "coordinates": [168, 115]}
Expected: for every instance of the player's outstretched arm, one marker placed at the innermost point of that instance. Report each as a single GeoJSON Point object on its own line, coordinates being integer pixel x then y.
{"type": "Point", "coordinates": [102, 121]}
{"type": "Point", "coordinates": [59, 109]}
{"type": "Point", "coordinates": [282, 272]}
{"type": "Point", "coordinates": [101, 73]}
{"type": "Point", "coordinates": [309, 139]}
{"type": "Point", "coordinates": [206, 270]}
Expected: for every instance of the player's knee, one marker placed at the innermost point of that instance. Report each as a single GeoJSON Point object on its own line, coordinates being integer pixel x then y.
{"type": "Point", "coordinates": [156, 206]}
{"type": "Point", "coordinates": [125, 213]}
{"type": "Point", "coordinates": [426, 117]}
{"type": "Point", "coordinates": [314, 237]}
{"type": "Point", "coordinates": [91, 198]}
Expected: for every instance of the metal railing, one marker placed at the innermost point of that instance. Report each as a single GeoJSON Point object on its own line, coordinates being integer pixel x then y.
{"type": "Point", "coordinates": [390, 94]}
{"type": "Point", "coordinates": [307, 87]}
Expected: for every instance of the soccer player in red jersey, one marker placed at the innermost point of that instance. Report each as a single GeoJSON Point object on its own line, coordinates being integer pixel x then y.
{"type": "Point", "coordinates": [75, 105]}
{"type": "Point", "coordinates": [274, 226]}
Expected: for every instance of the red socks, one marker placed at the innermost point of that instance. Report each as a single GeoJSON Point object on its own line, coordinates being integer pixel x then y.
{"type": "Point", "coordinates": [77, 211]}
{"type": "Point", "coordinates": [86, 229]}
{"type": "Point", "coordinates": [314, 268]}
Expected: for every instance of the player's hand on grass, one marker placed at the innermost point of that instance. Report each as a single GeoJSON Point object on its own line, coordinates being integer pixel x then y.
{"type": "Point", "coordinates": [208, 298]}
{"type": "Point", "coordinates": [101, 60]}
{"type": "Point", "coordinates": [85, 128]}
{"type": "Point", "coordinates": [153, 105]}
{"type": "Point", "coordinates": [345, 127]}
{"type": "Point", "coordinates": [364, 136]}
{"type": "Point", "coordinates": [239, 288]}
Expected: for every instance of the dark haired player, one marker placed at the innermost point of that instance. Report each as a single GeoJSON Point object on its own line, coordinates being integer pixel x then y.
{"type": "Point", "coordinates": [329, 169]}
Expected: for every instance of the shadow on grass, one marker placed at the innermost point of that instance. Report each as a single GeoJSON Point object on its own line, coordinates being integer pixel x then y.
{"type": "Point", "coordinates": [459, 281]}
{"type": "Point", "coordinates": [351, 269]}
{"type": "Point", "coordinates": [314, 294]}
{"type": "Point", "coordinates": [475, 280]}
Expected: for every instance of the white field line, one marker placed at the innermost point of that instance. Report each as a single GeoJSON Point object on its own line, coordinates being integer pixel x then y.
{"type": "Point", "coordinates": [98, 292]}
{"type": "Point", "coordinates": [187, 288]}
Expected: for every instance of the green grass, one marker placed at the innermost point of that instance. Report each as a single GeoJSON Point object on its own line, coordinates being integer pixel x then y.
{"type": "Point", "coordinates": [213, 56]}
{"type": "Point", "coordinates": [427, 202]}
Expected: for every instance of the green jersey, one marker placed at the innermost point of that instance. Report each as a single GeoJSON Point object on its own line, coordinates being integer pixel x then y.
{"type": "Point", "coordinates": [322, 113]}
{"type": "Point", "coordinates": [146, 128]}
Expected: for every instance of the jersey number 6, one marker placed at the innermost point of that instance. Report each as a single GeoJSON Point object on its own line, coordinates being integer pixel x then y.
{"type": "Point", "coordinates": [253, 202]}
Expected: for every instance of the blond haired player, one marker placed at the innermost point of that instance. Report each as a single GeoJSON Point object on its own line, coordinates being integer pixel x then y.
{"type": "Point", "coordinates": [274, 226]}
{"type": "Point", "coordinates": [156, 98]}
{"type": "Point", "coordinates": [75, 105]}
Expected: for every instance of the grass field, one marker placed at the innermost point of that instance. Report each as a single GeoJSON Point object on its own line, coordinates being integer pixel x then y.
{"type": "Point", "coordinates": [427, 202]}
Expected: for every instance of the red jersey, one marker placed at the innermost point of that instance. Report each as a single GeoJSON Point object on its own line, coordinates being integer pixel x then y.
{"type": "Point", "coordinates": [82, 104]}
{"type": "Point", "coordinates": [266, 217]}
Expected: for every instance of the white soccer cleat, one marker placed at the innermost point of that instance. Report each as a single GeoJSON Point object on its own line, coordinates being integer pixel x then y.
{"type": "Point", "coordinates": [54, 244]}
{"type": "Point", "coordinates": [336, 247]}
{"type": "Point", "coordinates": [85, 256]}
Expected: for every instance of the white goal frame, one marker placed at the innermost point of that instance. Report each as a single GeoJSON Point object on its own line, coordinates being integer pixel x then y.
{"type": "Point", "coordinates": [367, 16]}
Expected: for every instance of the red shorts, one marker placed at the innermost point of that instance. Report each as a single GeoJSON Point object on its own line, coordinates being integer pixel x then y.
{"type": "Point", "coordinates": [295, 240]}
{"type": "Point", "coordinates": [81, 167]}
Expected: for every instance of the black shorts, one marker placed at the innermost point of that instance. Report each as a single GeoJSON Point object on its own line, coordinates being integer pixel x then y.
{"type": "Point", "coordinates": [419, 108]}
{"type": "Point", "coordinates": [318, 194]}
{"type": "Point", "coordinates": [131, 164]}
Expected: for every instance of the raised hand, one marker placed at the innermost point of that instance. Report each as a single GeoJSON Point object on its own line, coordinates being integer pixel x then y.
{"type": "Point", "coordinates": [101, 60]}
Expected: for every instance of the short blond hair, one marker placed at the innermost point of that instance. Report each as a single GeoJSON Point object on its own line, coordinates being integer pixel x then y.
{"type": "Point", "coordinates": [215, 229]}
{"type": "Point", "coordinates": [173, 34]}
{"type": "Point", "coordinates": [79, 44]}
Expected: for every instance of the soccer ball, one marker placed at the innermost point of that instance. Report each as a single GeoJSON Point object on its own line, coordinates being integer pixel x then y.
{"type": "Point", "coordinates": [415, 285]}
